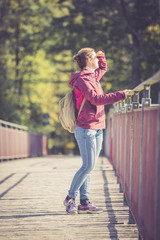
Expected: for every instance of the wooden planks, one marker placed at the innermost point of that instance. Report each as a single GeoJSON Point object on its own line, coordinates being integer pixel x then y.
{"type": "Point", "coordinates": [31, 202]}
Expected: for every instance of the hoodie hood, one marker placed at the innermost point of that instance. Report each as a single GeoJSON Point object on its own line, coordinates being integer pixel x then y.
{"type": "Point", "coordinates": [75, 76]}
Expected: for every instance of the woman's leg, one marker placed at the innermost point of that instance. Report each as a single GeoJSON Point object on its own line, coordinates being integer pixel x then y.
{"type": "Point", "coordinates": [85, 188]}
{"type": "Point", "coordinates": [87, 141]}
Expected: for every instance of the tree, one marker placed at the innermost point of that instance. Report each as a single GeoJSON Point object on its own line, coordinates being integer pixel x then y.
{"type": "Point", "coordinates": [139, 15]}
{"type": "Point", "coordinates": [38, 39]}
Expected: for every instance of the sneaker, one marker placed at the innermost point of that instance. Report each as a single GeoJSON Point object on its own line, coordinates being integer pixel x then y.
{"type": "Point", "coordinates": [66, 200]}
{"type": "Point", "coordinates": [70, 206]}
{"type": "Point", "coordinates": [89, 208]}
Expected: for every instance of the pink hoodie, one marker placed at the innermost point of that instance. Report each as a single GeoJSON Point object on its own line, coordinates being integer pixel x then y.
{"type": "Point", "coordinates": [86, 84]}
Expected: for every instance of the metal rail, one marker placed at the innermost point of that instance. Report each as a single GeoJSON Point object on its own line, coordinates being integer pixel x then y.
{"type": "Point", "coordinates": [132, 100]}
{"type": "Point", "coordinates": [13, 125]}
{"type": "Point", "coordinates": [17, 142]}
{"type": "Point", "coordinates": [152, 80]}
{"type": "Point", "coordinates": [133, 146]}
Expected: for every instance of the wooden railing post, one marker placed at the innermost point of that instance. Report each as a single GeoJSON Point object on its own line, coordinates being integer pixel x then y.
{"type": "Point", "coordinates": [135, 103]}
{"type": "Point", "coordinates": [129, 103]}
{"type": "Point", "coordinates": [146, 100]}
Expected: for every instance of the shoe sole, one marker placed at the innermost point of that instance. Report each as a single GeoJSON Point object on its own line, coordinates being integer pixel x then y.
{"type": "Point", "coordinates": [72, 213]}
{"type": "Point", "coordinates": [90, 212]}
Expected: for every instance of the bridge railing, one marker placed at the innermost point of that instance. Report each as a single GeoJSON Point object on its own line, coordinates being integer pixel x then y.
{"type": "Point", "coordinates": [17, 142]}
{"type": "Point", "coordinates": [133, 146]}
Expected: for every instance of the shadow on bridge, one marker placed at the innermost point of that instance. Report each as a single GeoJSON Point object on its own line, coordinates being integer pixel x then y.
{"type": "Point", "coordinates": [31, 198]}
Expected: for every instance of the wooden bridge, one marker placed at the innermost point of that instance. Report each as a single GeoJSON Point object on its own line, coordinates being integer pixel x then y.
{"type": "Point", "coordinates": [32, 190]}
{"type": "Point", "coordinates": [31, 202]}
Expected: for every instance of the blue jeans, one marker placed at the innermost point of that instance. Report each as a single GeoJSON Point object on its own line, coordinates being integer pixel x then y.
{"type": "Point", "coordinates": [90, 143]}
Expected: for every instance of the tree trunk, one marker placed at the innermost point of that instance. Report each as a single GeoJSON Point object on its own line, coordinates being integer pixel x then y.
{"type": "Point", "coordinates": [136, 62]}
{"type": "Point", "coordinates": [133, 29]}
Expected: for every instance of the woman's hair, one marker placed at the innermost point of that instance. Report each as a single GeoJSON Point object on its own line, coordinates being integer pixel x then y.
{"type": "Point", "coordinates": [82, 56]}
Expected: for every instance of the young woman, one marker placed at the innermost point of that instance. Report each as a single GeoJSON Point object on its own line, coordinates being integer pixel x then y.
{"type": "Point", "coordinates": [90, 124]}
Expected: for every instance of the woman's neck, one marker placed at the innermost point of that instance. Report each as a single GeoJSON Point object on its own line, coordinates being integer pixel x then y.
{"type": "Point", "coordinates": [92, 69]}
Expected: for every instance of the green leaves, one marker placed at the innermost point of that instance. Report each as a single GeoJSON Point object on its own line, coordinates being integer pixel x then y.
{"type": "Point", "coordinates": [38, 39]}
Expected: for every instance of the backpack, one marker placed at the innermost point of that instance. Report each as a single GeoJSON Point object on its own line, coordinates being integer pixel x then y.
{"type": "Point", "coordinates": [67, 111]}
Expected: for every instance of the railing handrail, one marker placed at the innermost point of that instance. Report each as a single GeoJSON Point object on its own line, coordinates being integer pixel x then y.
{"type": "Point", "coordinates": [132, 100]}
{"type": "Point", "coordinates": [150, 81]}
{"type": "Point", "coordinates": [132, 144]}
{"type": "Point", "coordinates": [13, 125]}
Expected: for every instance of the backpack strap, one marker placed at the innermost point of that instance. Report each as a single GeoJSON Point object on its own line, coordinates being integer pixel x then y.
{"type": "Point", "coordinates": [81, 107]}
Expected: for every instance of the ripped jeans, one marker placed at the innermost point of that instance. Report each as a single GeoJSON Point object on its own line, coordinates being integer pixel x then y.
{"type": "Point", "coordinates": [90, 143]}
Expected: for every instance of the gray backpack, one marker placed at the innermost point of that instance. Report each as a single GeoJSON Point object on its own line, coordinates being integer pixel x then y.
{"type": "Point", "coordinates": [67, 111]}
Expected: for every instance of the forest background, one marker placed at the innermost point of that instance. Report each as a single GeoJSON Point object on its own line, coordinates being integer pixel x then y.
{"type": "Point", "coordinates": [38, 39]}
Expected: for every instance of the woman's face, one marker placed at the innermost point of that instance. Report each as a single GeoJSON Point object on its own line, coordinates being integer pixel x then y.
{"type": "Point", "coordinates": [94, 61]}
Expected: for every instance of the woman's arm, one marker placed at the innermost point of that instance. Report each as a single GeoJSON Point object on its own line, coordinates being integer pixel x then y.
{"type": "Point", "coordinates": [102, 99]}
{"type": "Point", "coordinates": [102, 65]}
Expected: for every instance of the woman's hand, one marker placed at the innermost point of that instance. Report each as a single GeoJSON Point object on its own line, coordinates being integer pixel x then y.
{"type": "Point", "coordinates": [127, 92]}
{"type": "Point", "coordinates": [100, 54]}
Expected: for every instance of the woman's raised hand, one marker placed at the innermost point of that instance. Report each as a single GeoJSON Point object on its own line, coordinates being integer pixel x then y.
{"type": "Point", "coordinates": [100, 53]}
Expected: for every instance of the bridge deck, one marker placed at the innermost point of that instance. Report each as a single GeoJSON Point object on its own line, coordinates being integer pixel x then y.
{"type": "Point", "coordinates": [31, 202]}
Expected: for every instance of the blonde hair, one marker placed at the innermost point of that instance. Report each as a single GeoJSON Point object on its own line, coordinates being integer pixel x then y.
{"type": "Point", "coordinates": [82, 56]}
